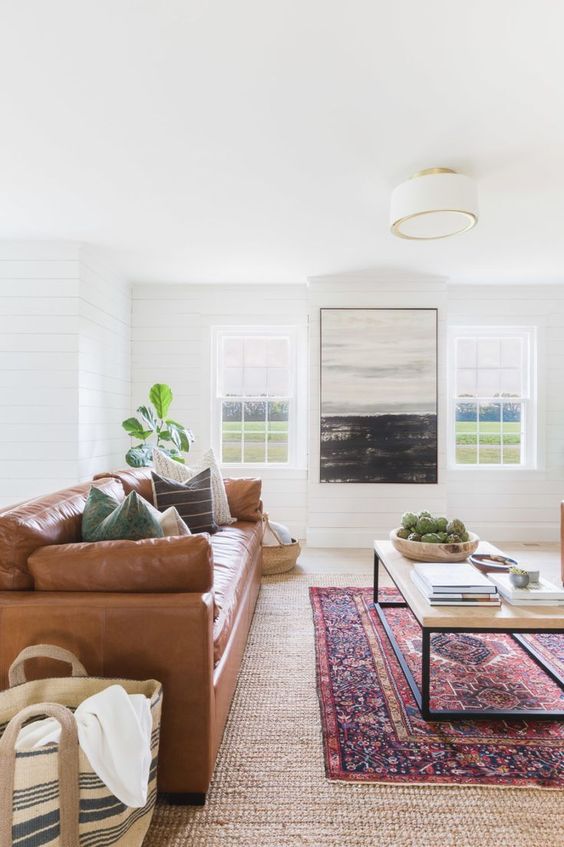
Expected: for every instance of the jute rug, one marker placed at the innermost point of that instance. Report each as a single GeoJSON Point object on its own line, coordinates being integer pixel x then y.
{"type": "Point", "coordinates": [373, 730]}
{"type": "Point", "coordinates": [270, 789]}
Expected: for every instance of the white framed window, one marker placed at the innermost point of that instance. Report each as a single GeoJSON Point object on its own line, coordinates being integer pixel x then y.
{"type": "Point", "coordinates": [255, 406]}
{"type": "Point", "coordinates": [492, 404]}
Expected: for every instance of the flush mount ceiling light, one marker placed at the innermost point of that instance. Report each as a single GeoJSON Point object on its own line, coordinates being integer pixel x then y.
{"type": "Point", "coordinates": [435, 203]}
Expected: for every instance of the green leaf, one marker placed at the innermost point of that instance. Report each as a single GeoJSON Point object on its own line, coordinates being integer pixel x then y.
{"type": "Point", "coordinates": [186, 436]}
{"type": "Point", "coordinates": [173, 453]}
{"type": "Point", "coordinates": [164, 435]}
{"type": "Point", "coordinates": [135, 429]}
{"type": "Point", "coordinates": [139, 456]}
{"type": "Point", "coordinates": [148, 417]}
{"type": "Point", "coordinates": [160, 396]}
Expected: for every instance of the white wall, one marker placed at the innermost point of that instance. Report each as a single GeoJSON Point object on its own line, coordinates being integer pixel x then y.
{"type": "Point", "coordinates": [171, 342]}
{"type": "Point", "coordinates": [171, 328]}
{"type": "Point", "coordinates": [64, 367]}
{"type": "Point", "coordinates": [38, 368]}
{"type": "Point", "coordinates": [512, 504]}
{"type": "Point", "coordinates": [104, 363]}
{"type": "Point", "coordinates": [352, 515]}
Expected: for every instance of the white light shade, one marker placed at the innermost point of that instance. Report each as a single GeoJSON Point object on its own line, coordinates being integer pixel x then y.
{"type": "Point", "coordinates": [435, 203]}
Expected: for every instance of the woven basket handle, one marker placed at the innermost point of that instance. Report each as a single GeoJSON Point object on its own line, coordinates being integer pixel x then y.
{"type": "Point", "coordinates": [271, 528]}
{"type": "Point", "coordinates": [68, 771]}
{"type": "Point", "coordinates": [16, 674]}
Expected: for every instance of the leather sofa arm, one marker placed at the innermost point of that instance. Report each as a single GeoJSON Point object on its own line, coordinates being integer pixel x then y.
{"type": "Point", "coordinates": [153, 565]}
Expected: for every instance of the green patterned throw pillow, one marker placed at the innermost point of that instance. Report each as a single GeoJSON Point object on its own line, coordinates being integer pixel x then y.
{"type": "Point", "coordinates": [98, 506]}
{"type": "Point", "coordinates": [131, 520]}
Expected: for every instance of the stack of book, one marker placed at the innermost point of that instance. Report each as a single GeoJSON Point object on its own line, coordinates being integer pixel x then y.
{"type": "Point", "coordinates": [454, 585]}
{"type": "Point", "coordinates": [541, 593]}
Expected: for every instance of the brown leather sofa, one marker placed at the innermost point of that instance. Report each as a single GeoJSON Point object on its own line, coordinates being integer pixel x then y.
{"type": "Point", "coordinates": [173, 609]}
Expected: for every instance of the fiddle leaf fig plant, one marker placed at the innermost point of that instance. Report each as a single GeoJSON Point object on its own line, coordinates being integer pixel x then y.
{"type": "Point", "coordinates": [153, 428]}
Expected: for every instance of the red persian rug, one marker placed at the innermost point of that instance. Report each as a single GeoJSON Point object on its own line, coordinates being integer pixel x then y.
{"type": "Point", "coordinates": [373, 730]}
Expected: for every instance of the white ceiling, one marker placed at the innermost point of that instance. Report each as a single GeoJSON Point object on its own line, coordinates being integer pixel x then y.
{"type": "Point", "coordinates": [258, 140]}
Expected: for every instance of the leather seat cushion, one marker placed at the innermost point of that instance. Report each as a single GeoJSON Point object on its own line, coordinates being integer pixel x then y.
{"type": "Point", "coordinates": [234, 550]}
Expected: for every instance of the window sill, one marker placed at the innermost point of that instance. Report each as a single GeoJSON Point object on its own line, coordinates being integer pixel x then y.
{"type": "Point", "coordinates": [265, 471]}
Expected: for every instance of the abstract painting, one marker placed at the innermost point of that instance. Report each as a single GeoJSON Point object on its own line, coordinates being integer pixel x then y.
{"type": "Point", "coordinates": [379, 395]}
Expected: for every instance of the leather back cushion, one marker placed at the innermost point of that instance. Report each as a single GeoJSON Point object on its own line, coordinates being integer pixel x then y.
{"type": "Point", "coordinates": [133, 479]}
{"type": "Point", "coordinates": [52, 519]}
{"type": "Point", "coordinates": [243, 495]}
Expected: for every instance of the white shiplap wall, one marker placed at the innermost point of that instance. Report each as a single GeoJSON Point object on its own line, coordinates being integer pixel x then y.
{"type": "Point", "coordinates": [518, 505]}
{"type": "Point", "coordinates": [352, 515]}
{"type": "Point", "coordinates": [104, 362]}
{"type": "Point", "coordinates": [171, 342]}
{"type": "Point", "coordinates": [38, 368]}
{"type": "Point", "coordinates": [64, 367]}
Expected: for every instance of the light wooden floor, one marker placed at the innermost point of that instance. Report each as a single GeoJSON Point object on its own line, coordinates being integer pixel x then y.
{"type": "Point", "coordinates": [357, 561]}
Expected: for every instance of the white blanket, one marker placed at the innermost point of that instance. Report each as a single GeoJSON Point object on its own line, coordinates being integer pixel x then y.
{"type": "Point", "coordinates": [114, 731]}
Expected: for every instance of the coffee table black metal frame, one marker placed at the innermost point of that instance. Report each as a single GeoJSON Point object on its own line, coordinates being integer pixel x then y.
{"type": "Point", "coordinates": [422, 695]}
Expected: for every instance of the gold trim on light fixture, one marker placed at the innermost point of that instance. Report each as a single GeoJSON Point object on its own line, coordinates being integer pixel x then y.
{"type": "Point", "coordinates": [473, 219]}
{"type": "Point", "coordinates": [428, 171]}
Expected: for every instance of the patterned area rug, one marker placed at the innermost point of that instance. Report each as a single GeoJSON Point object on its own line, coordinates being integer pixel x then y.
{"type": "Point", "coordinates": [372, 728]}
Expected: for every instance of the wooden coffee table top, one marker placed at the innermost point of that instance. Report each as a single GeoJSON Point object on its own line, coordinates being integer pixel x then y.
{"type": "Point", "coordinates": [506, 616]}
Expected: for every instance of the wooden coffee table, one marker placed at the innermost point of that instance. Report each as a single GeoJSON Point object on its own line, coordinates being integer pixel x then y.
{"type": "Point", "coordinates": [513, 620]}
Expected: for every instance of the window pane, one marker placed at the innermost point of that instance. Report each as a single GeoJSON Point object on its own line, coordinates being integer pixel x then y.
{"type": "Point", "coordinates": [510, 382]}
{"type": "Point", "coordinates": [233, 382]}
{"type": "Point", "coordinates": [466, 353]}
{"type": "Point", "coordinates": [489, 434]}
{"type": "Point", "coordinates": [255, 352]}
{"type": "Point", "coordinates": [488, 383]}
{"type": "Point", "coordinates": [466, 383]}
{"type": "Point", "coordinates": [231, 433]}
{"type": "Point", "coordinates": [511, 434]}
{"type": "Point", "coordinates": [277, 447]}
{"type": "Point", "coordinates": [255, 382]}
{"type": "Point", "coordinates": [489, 353]}
{"type": "Point", "coordinates": [511, 352]}
{"type": "Point", "coordinates": [466, 434]}
{"type": "Point", "coordinates": [278, 382]}
{"type": "Point", "coordinates": [254, 432]}
{"type": "Point", "coordinates": [278, 352]}
{"type": "Point", "coordinates": [233, 352]}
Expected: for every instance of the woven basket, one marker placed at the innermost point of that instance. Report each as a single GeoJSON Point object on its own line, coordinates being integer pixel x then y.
{"type": "Point", "coordinates": [52, 796]}
{"type": "Point", "coordinates": [281, 557]}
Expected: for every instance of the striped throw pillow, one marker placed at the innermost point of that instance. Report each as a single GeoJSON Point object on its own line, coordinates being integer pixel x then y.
{"type": "Point", "coordinates": [193, 499]}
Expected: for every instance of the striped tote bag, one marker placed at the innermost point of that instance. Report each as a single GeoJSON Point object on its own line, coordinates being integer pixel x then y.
{"type": "Point", "coordinates": [51, 797]}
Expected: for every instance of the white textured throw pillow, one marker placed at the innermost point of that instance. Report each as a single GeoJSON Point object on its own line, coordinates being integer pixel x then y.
{"type": "Point", "coordinates": [170, 521]}
{"type": "Point", "coordinates": [167, 467]}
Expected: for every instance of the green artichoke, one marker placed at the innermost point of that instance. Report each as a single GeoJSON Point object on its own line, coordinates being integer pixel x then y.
{"type": "Point", "coordinates": [453, 538]}
{"type": "Point", "coordinates": [431, 538]}
{"type": "Point", "coordinates": [402, 532]}
{"type": "Point", "coordinates": [441, 524]}
{"type": "Point", "coordinates": [456, 527]}
{"type": "Point", "coordinates": [414, 536]}
{"type": "Point", "coordinates": [408, 520]}
{"type": "Point", "coordinates": [425, 525]}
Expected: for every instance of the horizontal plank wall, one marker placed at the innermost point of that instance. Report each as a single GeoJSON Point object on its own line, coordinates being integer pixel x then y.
{"type": "Point", "coordinates": [352, 515]}
{"type": "Point", "coordinates": [39, 338]}
{"type": "Point", "coordinates": [64, 367]}
{"type": "Point", "coordinates": [104, 365]}
{"type": "Point", "coordinates": [171, 342]}
{"type": "Point", "coordinates": [512, 504]}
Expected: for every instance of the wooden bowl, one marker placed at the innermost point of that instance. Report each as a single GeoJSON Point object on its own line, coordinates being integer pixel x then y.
{"type": "Point", "coordinates": [422, 552]}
